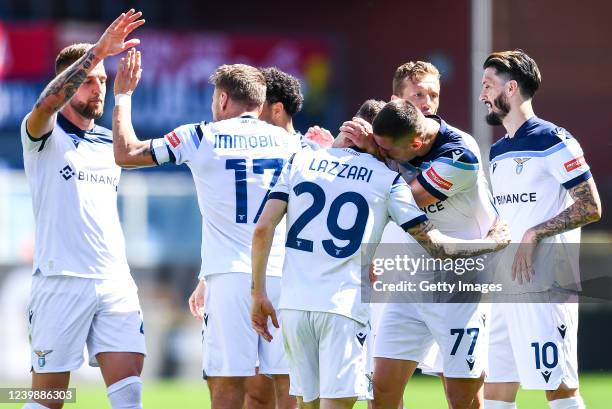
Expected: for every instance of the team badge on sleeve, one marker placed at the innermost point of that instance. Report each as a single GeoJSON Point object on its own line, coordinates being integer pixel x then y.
{"type": "Point", "coordinates": [438, 180]}
{"type": "Point", "coordinates": [574, 164]}
{"type": "Point", "coordinates": [173, 139]}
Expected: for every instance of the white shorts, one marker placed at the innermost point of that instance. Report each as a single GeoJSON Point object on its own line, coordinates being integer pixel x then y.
{"type": "Point", "coordinates": [327, 355]}
{"type": "Point", "coordinates": [407, 331]}
{"type": "Point", "coordinates": [534, 344]}
{"type": "Point", "coordinates": [432, 364]}
{"type": "Point", "coordinates": [66, 313]}
{"type": "Point", "coordinates": [230, 345]}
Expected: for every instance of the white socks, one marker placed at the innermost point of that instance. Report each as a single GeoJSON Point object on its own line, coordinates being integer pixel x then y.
{"type": "Point", "coordinates": [126, 393]}
{"type": "Point", "coordinates": [569, 403]}
{"type": "Point", "coordinates": [498, 404]}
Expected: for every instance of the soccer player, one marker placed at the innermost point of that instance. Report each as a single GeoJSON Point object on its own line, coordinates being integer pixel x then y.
{"type": "Point", "coordinates": [235, 161]}
{"type": "Point", "coordinates": [284, 99]}
{"type": "Point", "coordinates": [459, 210]}
{"type": "Point", "coordinates": [82, 290]}
{"type": "Point", "coordinates": [335, 200]}
{"type": "Point", "coordinates": [452, 189]}
{"type": "Point", "coordinates": [419, 83]}
{"type": "Point", "coordinates": [543, 187]}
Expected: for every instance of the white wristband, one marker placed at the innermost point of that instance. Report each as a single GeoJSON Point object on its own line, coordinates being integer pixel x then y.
{"type": "Point", "coordinates": [124, 100]}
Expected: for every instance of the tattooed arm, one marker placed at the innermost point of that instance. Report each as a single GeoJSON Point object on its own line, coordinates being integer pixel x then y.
{"type": "Point", "coordinates": [586, 209]}
{"type": "Point", "coordinates": [59, 91]}
{"type": "Point", "coordinates": [439, 245]}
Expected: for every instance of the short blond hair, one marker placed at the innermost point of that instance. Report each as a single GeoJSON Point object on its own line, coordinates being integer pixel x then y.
{"type": "Point", "coordinates": [243, 83]}
{"type": "Point", "coordinates": [414, 71]}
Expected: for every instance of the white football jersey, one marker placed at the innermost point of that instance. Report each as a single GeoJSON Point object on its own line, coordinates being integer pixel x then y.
{"type": "Point", "coordinates": [530, 176]}
{"type": "Point", "coordinates": [451, 171]}
{"type": "Point", "coordinates": [73, 180]}
{"type": "Point", "coordinates": [337, 200]}
{"type": "Point", "coordinates": [235, 163]}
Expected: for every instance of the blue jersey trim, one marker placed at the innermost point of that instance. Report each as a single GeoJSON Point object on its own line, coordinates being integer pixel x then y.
{"type": "Point", "coordinates": [194, 137]}
{"type": "Point", "coordinates": [457, 164]}
{"type": "Point", "coordinates": [432, 190]}
{"type": "Point", "coordinates": [279, 196]}
{"type": "Point", "coordinates": [417, 220]}
{"type": "Point", "coordinates": [577, 180]}
{"type": "Point", "coordinates": [535, 154]}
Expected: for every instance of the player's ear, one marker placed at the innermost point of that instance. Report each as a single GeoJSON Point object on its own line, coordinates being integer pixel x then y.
{"type": "Point", "coordinates": [512, 87]}
{"type": "Point", "coordinates": [394, 97]}
{"type": "Point", "coordinates": [416, 143]}
{"type": "Point", "coordinates": [223, 100]}
{"type": "Point", "coordinates": [277, 108]}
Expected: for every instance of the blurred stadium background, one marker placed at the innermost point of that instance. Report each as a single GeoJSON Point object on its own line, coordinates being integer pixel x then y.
{"type": "Point", "coordinates": [343, 53]}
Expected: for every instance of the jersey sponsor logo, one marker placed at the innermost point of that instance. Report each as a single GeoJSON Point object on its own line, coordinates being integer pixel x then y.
{"type": "Point", "coordinates": [510, 198]}
{"type": "Point", "coordinates": [433, 208]}
{"type": "Point", "coordinates": [438, 180]}
{"type": "Point", "coordinates": [42, 357]}
{"type": "Point", "coordinates": [173, 139]}
{"type": "Point", "coordinates": [66, 172]}
{"type": "Point", "coordinates": [98, 178]}
{"type": "Point", "coordinates": [574, 164]}
{"type": "Point", "coordinates": [520, 163]}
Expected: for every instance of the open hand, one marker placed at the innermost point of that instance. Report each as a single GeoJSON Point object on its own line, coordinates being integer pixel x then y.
{"type": "Point", "coordinates": [112, 41]}
{"type": "Point", "coordinates": [128, 73]}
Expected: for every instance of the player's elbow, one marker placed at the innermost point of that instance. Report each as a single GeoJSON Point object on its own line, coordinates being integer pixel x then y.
{"type": "Point", "coordinates": [263, 230]}
{"type": "Point", "coordinates": [595, 215]}
{"type": "Point", "coordinates": [122, 159]}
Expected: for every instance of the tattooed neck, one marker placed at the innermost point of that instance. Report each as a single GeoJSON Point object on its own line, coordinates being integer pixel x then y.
{"type": "Point", "coordinates": [64, 86]}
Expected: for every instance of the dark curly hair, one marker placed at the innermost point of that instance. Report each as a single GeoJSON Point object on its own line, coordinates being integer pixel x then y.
{"type": "Point", "coordinates": [284, 88]}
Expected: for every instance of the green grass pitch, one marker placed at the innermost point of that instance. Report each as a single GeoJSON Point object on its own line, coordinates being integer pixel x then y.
{"type": "Point", "coordinates": [423, 392]}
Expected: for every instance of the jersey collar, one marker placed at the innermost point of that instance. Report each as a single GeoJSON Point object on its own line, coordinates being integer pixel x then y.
{"type": "Point", "coordinates": [523, 129]}
{"type": "Point", "coordinates": [69, 127]}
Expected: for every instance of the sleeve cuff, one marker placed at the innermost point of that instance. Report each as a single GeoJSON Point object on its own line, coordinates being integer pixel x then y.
{"type": "Point", "coordinates": [577, 180]}
{"type": "Point", "coordinates": [279, 195]}
{"type": "Point", "coordinates": [418, 220]}
{"type": "Point", "coordinates": [41, 139]}
{"type": "Point", "coordinates": [432, 190]}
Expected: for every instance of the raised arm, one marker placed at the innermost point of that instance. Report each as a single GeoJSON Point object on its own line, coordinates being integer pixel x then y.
{"type": "Point", "coordinates": [262, 308]}
{"type": "Point", "coordinates": [130, 152]}
{"type": "Point", "coordinates": [63, 86]}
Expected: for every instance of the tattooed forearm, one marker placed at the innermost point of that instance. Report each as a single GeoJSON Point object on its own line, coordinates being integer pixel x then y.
{"type": "Point", "coordinates": [65, 85]}
{"type": "Point", "coordinates": [439, 245]}
{"type": "Point", "coordinates": [586, 209]}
